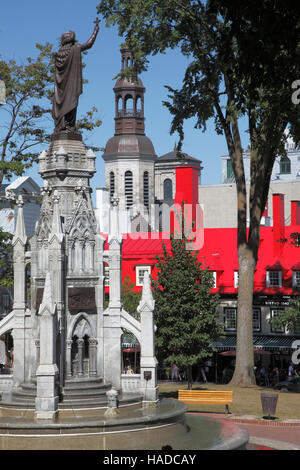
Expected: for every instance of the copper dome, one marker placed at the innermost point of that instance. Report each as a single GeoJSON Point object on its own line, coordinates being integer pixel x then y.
{"type": "Point", "coordinates": [129, 145]}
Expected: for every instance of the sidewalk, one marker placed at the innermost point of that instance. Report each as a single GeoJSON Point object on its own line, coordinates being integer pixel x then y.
{"type": "Point", "coordinates": [281, 435]}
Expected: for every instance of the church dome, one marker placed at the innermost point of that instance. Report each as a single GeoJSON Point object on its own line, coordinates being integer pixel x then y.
{"type": "Point", "coordinates": [129, 145]}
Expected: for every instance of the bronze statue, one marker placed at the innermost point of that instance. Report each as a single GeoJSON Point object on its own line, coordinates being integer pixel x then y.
{"type": "Point", "coordinates": [68, 79]}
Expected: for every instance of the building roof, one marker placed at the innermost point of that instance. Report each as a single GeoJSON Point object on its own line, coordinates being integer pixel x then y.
{"type": "Point", "coordinates": [132, 144]}
{"type": "Point", "coordinates": [174, 157]}
{"type": "Point", "coordinates": [24, 183]}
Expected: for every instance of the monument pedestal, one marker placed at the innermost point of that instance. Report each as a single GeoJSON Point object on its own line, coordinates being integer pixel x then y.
{"type": "Point", "coordinates": [46, 402]}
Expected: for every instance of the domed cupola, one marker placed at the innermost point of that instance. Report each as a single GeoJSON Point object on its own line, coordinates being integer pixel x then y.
{"type": "Point", "coordinates": [129, 155]}
{"type": "Point", "coordinates": [129, 100]}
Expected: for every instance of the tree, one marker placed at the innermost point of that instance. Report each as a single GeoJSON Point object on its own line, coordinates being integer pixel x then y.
{"type": "Point", "coordinates": [6, 269]}
{"type": "Point", "coordinates": [130, 298]}
{"type": "Point", "coordinates": [186, 314]}
{"type": "Point", "coordinates": [289, 318]}
{"type": "Point", "coordinates": [26, 114]}
{"type": "Point", "coordinates": [244, 57]}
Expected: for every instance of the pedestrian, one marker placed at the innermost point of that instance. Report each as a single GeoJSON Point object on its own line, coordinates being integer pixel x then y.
{"type": "Point", "coordinates": [174, 372]}
{"type": "Point", "coordinates": [264, 377]}
{"type": "Point", "coordinates": [275, 376]}
{"type": "Point", "coordinates": [290, 371]}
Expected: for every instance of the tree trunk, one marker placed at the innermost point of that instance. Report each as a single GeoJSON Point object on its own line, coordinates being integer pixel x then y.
{"type": "Point", "coordinates": [244, 368]}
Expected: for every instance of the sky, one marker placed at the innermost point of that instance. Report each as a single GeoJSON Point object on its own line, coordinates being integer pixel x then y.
{"type": "Point", "coordinates": [25, 23]}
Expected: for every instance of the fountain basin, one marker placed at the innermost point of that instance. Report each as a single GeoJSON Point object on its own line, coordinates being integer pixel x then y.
{"type": "Point", "coordinates": [136, 428]}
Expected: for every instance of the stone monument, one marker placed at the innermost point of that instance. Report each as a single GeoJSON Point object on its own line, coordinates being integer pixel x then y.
{"type": "Point", "coordinates": [68, 80]}
{"type": "Point", "coordinates": [63, 336]}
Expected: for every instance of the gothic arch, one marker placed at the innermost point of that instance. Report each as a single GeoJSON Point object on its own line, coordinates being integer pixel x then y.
{"type": "Point", "coordinates": [84, 328]}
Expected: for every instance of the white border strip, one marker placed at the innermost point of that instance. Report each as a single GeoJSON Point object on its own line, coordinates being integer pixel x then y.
{"type": "Point", "coordinates": [86, 434]}
{"type": "Point", "coordinates": [70, 409]}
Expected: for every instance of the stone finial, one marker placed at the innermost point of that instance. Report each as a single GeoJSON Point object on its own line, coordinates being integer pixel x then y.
{"type": "Point", "coordinates": [20, 202]}
{"type": "Point", "coordinates": [147, 297]}
{"type": "Point", "coordinates": [61, 151]}
{"type": "Point", "coordinates": [42, 155]}
{"type": "Point", "coordinates": [56, 229]}
{"type": "Point", "coordinates": [90, 154]}
{"type": "Point", "coordinates": [20, 233]}
{"type": "Point", "coordinates": [114, 220]}
{"type": "Point", "coordinates": [47, 301]}
{"type": "Point", "coordinates": [56, 197]}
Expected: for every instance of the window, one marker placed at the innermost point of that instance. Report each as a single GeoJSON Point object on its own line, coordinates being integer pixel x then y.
{"type": "Point", "coordinates": [111, 184]}
{"type": "Point", "coordinates": [230, 319]}
{"type": "Point", "coordinates": [168, 189]}
{"type": "Point", "coordinates": [274, 312]}
{"type": "Point", "coordinates": [214, 273]}
{"type": "Point", "coordinates": [128, 189]}
{"type": "Point", "coordinates": [140, 271]}
{"type": "Point", "coordinates": [285, 165]}
{"type": "Point", "coordinates": [229, 169]}
{"type": "Point", "coordinates": [256, 319]}
{"type": "Point", "coordinates": [236, 279]}
{"type": "Point", "coordinates": [296, 279]}
{"type": "Point", "coordinates": [129, 106]}
{"type": "Point", "coordinates": [146, 189]}
{"type": "Point", "coordinates": [274, 279]}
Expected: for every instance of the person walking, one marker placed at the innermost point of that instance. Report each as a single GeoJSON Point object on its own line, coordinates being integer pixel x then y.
{"type": "Point", "coordinates": [174, 373]}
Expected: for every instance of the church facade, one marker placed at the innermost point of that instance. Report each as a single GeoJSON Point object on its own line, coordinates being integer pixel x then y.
{"type": "Point", "coordinates": [134, 173]}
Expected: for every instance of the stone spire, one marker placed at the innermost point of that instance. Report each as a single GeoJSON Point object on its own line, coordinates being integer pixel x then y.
{"type": "Point", "coordinates": [147, 297]}
{"type": "Point", "coordinates": [114, 233]}
{"type": "Point", "coordinates": [56, 229]}
{"type": "Point", "coordinates": [46, 402]}
{"type": "Point", "coordinates": [149, 385]}
{"type": "Point", "coordinates": [20, 233]}
{"type": "Point", "coordinates": [47, 302]}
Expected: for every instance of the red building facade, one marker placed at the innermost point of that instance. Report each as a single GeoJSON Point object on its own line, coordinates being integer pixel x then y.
{"type": "Point", "coordinates": [277, 273]}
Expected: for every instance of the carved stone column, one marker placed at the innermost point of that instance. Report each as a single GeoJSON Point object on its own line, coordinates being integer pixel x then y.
{"type": "Point", "coordinates": [80, 343]}
{"type": "Point", "coordinates": [69, 359]}
{"type": "Point", "coordinates": [93, 356]}
{"type": "Point", "coordinates": [81, 257]}
{"type": "Point", "coordinates": [70, 256]}
{"type": "Point", "coordinates": [37, 357]}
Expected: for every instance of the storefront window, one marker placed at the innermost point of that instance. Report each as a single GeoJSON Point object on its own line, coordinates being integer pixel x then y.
{"type": "Point", "coordinates": [256, 319]}
{"type": "Point", "coordinates": [230, 319]}
{"type": "Point", "coordinates": [274, 312]}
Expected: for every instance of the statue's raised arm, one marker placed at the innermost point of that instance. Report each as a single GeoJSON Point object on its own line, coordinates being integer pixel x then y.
{"type": "Point", "coordinates": [68, 80]}
{"type": "Point", "coordinates": [90, 42]}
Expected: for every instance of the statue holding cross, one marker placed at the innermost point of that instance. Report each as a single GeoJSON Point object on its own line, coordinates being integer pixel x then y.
{"type": "Point", "coordinates": [68, 79]}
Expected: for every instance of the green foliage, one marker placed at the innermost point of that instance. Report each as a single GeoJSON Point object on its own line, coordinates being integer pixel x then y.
{"type": "Point", "coordinates": [27, 112]}
{"type": "Point", "coordinates": [186, 313]}
{"type": "Point", "coordinates": [6, 269]}
{"type": "Point", "coordinates": [243, 59]}
{"type": "Point", "coordinates": [289, 318]}
{"type": "Point", "coordinates": [130, 298]}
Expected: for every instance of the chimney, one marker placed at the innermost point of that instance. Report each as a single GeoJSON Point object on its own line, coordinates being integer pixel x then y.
{"type": "Point", "coordinates": [187, 180]}
{"type": "Point", "coordinates": [278, 223]}
{"type": "Point", "coordinates": [295, 212]}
